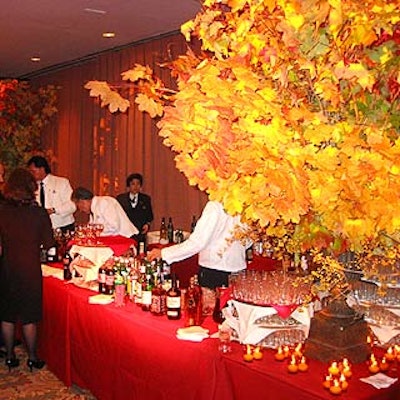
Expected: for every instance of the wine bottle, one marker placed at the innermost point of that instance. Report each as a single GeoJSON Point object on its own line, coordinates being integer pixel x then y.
{"type": "Point", "coordinates": [191, 298]}
{"type": "Point", "coordinates": [102, 278]}
{"type": "Point", "coordinates": [170, 231]}
{"type": "Point", "coordinates": [217, 315]}
{"type": "Point", "coordinates": [158, 295]}
{"type": "Point", "coordinates": [52, 254]}
{"type": "Point", "coordinates": [173, 300]}
{"type": "Point", "coordinates": [140, 282]}
{"type": "Point", "coordinates": [147, 287]}
{"type": "Point", "coordinates": [110, 276]}
{"type": "Point", "coordinates": [199, 300]}
{"type": "Point", "coordinates": [132, 280]}
{"type": "Point", "coordinates": [163, 232]}
{"type": "Point", "coordinates": [67, 259]}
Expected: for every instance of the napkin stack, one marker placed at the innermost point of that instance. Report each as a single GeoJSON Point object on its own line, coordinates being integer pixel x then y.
{"type": "Point", "coordinates": [51, 271]}
{"type": "Point", "coordinates": [192, 333]}
{"type": "Point", "coordinates": [244, 323]}
{"type": "Point", "coordinates": [100, 299]}
{"type": "Point", "coordinates": [379, 381]}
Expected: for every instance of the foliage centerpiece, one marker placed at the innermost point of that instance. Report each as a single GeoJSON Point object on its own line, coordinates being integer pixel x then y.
{"type": "Point", "coordinates": [289, 115]}
{"type": "Point", "coordinates": [23, 114]}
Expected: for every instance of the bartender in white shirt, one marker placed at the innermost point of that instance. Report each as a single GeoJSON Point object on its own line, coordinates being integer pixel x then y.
{"type": "Point", "coordinates": [104, 210]}
{"type": "Point", "coordinates": [219, 255]}
{"type": "Point", "coordinates": [54, 194]}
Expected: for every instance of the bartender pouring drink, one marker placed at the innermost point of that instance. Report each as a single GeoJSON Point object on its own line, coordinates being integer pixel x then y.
{"type": "Point", "coordinates": [212, 239]}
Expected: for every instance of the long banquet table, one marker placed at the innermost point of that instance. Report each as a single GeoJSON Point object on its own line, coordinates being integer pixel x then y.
{"type": "Point", "coordinates": [125, 353]}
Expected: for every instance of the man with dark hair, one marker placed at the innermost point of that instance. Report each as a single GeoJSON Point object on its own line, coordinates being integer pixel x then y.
{"type": "Point", "coordinates": [53, 194]}
{"type": "Point", "coordinates": [137, 205]}
{"type": "Point", "coordinates": [104, 210]}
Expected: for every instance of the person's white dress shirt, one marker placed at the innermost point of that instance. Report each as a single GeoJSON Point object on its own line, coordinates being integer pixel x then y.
{"type": "Point", "coordinates": [57, 191]}
{"type": "Point", "coordinates": [107, 211]}
{"type": "Point", "coordinates": [211, 238]}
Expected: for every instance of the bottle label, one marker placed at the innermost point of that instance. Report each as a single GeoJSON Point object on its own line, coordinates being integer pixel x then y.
{"type": "Point", "coordinates": [110, 280]}
{"type": "Point", "coordinates": [156, 305]}
{"type": "Point", "coordinates": [102, 277]}
{"type": "Point", "coordinates": [52, 251]}
{"type": "Point", "coordinates": [146, 297]}
{"type": "Point", "coordinates": [172, 313]}
{"type": "Point", "coordinates": [174, 302]}
{"type": "Point", "coordinates": [138, 290]}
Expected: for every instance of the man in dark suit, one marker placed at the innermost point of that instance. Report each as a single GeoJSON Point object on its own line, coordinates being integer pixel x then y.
{"type": "Point", "coordinates": [137, 205]}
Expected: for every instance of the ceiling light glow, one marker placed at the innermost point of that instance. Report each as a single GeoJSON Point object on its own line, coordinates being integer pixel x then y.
{"type": "Point", "coordinates": [108, 34]}
{"type": "Point", "coordinates": [35, 59]}
{"type": "Point", "coordinates": [95, 11]}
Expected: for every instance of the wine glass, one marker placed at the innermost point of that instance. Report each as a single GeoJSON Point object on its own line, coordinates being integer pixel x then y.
{"type": "Point", "coordinates": [98, 229]}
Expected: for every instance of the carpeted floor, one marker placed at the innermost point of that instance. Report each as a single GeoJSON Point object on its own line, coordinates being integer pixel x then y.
{"type": "Point", "coordinates": [20, 383]}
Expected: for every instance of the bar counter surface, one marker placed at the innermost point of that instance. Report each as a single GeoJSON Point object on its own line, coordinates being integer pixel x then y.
{"type": "Point", "coordinates": [126, 353]}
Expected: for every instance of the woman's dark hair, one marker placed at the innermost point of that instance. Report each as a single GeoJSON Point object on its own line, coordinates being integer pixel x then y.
{"type": "Point", "coordinates": [20, 186]}
{"type": "Point", "coordinates": [39, 162]}
{"type": "Point", "coordinates": [81, 193]}
{"type": "Point", "coordinates": [131, 177]}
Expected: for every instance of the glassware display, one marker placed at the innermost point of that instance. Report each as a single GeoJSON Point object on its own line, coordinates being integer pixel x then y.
{"type": "Point", "coordinates": [88, 234]}
{"type": "Point", "coordinates": [265, 288]}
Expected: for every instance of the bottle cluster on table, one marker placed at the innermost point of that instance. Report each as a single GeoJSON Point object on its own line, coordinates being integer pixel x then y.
{"type": "Point", "coordinates": [151, 286]}
{"type": "Point", "coordinates": [168, 234]}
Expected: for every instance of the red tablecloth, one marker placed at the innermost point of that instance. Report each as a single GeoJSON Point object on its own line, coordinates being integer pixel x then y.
{"type": "Point", "coordinates": [260, 263]}
{"type": "Point", "coordinates": [125, 353]}
{"type": "Point", "coordinates": [119, 244]}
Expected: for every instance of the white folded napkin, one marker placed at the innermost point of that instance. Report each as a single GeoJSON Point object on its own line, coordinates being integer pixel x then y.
{"type": "Point", "coordinates": [379, 380]}
{"type": "Point", "coordinates": [51, 271]}
{"type": "Point", "coordinates": [192, 333]}
{"type": "Point", "coordinates": [384, 333]}
{"type": "Point", "coordinates": [250, 333]}
{"type": "Point", "coordinates": [101, 299]}
{"type": "Point", "coordinates": [97, 255]}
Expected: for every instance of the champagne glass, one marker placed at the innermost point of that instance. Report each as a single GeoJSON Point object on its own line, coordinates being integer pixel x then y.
{"type": "Point", "coordinates": [98, 228]}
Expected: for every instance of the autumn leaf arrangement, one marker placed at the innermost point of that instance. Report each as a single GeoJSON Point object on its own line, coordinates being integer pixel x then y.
{"type": "Point", "coordinates": [289, 115]}
{"type": "Point", "coordinates": [24, 111]}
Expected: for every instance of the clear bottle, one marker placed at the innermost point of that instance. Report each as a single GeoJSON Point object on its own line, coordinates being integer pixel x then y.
{"type": "Point", "coordinates": [163, 232]}
{"type": "Point", "coordinates": [173, 300]}
{"type": "Point", "coordinates": [147, 287]}
{"type": "Point", "coordinates": [170, 231]}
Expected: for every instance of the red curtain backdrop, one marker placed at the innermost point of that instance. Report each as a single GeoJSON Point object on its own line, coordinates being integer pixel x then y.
{"type": "Point", "coordinates": [97, 149]}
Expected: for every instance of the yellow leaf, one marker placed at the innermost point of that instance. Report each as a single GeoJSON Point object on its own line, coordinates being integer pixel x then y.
{"type": "Point", "coordinates": [187, 29]}
{"type": "Point", "coordinates": [108, 97]}
{"type": "Point", "coordinates": [136, 73]}
{"type": "Point", "coordinates": [97, 88]}
{"type": "Point", "coordinates": [149, 105]}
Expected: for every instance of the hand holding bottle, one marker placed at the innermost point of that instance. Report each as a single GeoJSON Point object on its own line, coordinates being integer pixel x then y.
{"type": "Point", "coordinates": [154, 254]}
